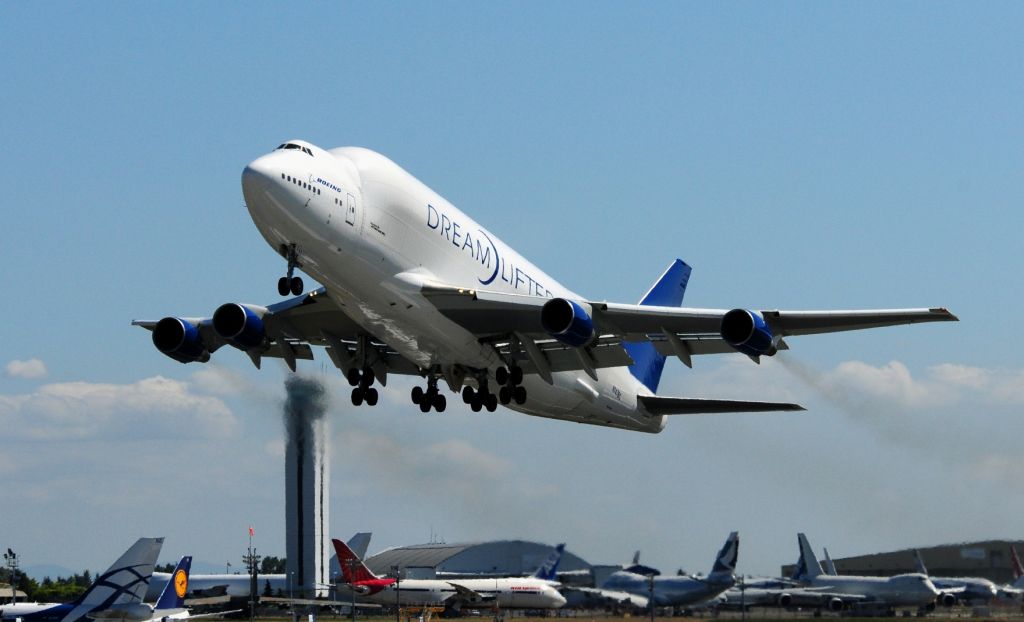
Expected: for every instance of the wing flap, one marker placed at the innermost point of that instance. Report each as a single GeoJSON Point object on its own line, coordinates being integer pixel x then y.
{"type": "Point", "coordinates": [656, 405]}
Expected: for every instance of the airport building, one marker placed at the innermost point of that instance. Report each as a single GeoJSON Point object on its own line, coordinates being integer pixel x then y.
{"type": "Point", "coordinates": [989, 559]}
{"type": "Point", "coordinates": [500, 558]}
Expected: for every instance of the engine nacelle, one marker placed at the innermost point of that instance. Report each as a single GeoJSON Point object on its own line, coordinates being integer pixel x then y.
{"type": "Point", "coordinates": [946, 599]}
{"type": "Point", "coordinates": [567, 322]}
{"type": "Point", "coordinates": [835, 604]}
{"type": "Point", "coordinates": [180, 340]}
{"type": "Point", "coordinates": [785, 600]}
{"type": "Point", "coordinates": [127, 612]}
{"type": "Point", "coordinates": [240, 325]}
{"type": "Point", "coordinates": [747, 332]}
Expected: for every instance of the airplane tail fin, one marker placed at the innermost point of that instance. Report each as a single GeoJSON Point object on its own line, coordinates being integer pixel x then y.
{"type": "Point", "coordinates": [359, 543]}
{"type": "Point", "coordinates": [173, 596]}
{"type": "Point", "coordinates": [807, 567]}
{"type": "Point", "coordinates": [830, 567]}
{"type": "Point", "coordinates": [548, 571]}
{"type": "Point", "coordinates": [667, 291]}
{"type": "Point", "coordinates": [352, 568]}
{"type": "Point", "coordinates": [725, 563]}
{"type": "Point", "coordinates": [919, 563]}
{"type": "Point", "coordinates": [1018, 570]}
{"type": "Point", "coordinates": [127, 579]}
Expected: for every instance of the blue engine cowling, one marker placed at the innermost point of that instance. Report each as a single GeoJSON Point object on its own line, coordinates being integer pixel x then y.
{"type": "Point", "coordinates": [180, 340]}
{"type": "Point", "coordinates": [567, 322]}
{"type": "Point", "coordinates": [239, 325]}
{"type": "Point", "coordinates": [747, 332]}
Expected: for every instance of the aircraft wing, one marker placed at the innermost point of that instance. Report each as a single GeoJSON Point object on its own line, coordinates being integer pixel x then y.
{"type": "Point", "coordinates": [616, 597]}
{"type": "Point", "coordinates": [313, 319]}
{"type": "Point", "coordinates": [657, 405]}
{"type": "Point", "coordinates": [464, 594]}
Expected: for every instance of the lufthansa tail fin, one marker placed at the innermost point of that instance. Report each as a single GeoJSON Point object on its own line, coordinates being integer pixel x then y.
{"type": "Point", "coordinates": [173, 596]}
{"type": "Point", "coordinates": [548, 571]}
{"type": "Point", "coordinates": [808, 566]}
{"type": "Point", "coordinates": [126, 580]}
{"type": "Point", "coordinates": [667, 291]}
{"type": "Point", "coordinates": [352, 568]}
{"type": "Point", "coordinates": [725, 563]}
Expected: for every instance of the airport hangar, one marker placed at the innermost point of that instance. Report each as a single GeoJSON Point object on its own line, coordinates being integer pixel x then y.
{"type": "Point", "coordinates": [501, 558]}
{"type": "Point", "coordinates": [989, 559]}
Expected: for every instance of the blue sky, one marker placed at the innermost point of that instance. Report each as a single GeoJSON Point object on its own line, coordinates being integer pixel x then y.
{"type": "Point", "coordinates": [797, 155]}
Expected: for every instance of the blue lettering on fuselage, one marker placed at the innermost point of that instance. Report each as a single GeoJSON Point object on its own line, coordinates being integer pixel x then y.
{"type": "Point", "coordinates": [324, 182]}
{"type": "Point", "coordinates": [481, 248]}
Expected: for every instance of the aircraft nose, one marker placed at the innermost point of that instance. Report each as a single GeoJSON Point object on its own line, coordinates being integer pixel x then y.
{"type": "Point", "coordinates": [558, 598]}
{"type": "Point", "coordinates": [258, 174]}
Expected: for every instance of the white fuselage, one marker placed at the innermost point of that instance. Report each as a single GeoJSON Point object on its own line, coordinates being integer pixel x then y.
{"type": "Point", "coordinates": [372, 234]}
{"type": "Point", "coordinates": [508, 593]}
{"type": "Point", "coordinates": [905, 590]}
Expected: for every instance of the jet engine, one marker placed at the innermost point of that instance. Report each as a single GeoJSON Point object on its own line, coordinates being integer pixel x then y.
{"type": "Point", "coordinates": [360, 589]}
{"type": "Point", "coordinates": [835, 604]}
{"type": "Point", "coordinates": [747, 332]}
{"type": "Point", "coordinates": [180, 340]}
{"type": "Point", "coordinates": [785, 600]}
{"type": "Point", "coordinates": [240, 325]}
{"type": "Point", "coordinates": [567, 322]}
{"type": "Point", "coordinates": [946, 599]}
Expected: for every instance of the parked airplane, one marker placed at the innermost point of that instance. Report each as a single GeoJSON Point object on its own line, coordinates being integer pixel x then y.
{"type": "Point", "coordinates": [122, 585]}
{"type": "Point", "coordinates": [675, 591]}
{"type": "Point", "coordinates": [508, 593]}
{"type": "Point", "coordinates": [967, 590]}
{"type": "Point", "coordinates": [414, 286]}
{"type": "Point", "coordinates": [548, 571]}
{"type": "Point", "coordinates": [840, 591]}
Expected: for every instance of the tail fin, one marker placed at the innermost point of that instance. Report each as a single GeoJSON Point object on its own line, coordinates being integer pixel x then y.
{"type": "Point", "coordinates": [173, 596]}
{"type": "Point", "coordinates": [352, 568]}
{"type": "Point", "coordinates": [808, 566]}
{"type": "Point", "coordinates": [359, 543]}
{"type": "Point", "coordinates": [919, 562]}
{"type": "Point", "coordinates": [728, 556]}
{"type": "Point", "coordinates": [126, 580]}
{"type": "Point", "coordinates": [667, 291]}
{"type": "Point", "coordinates": [548, 571]}
{"type": "Point", "coordinates": [830, 568]}
{"type": "Point", "coordinates": [1018, 570]}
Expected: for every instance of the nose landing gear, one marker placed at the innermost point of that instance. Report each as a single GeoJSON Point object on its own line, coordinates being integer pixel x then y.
{"type": "Point", "coordinates": [290, 283]}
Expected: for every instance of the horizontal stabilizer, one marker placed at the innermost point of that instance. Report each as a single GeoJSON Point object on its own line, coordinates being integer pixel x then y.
{"type": "Point", "coordinates": [656, 405]}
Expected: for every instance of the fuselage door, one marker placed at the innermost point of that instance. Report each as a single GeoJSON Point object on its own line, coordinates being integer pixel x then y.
{"type": "Point", "coordinates": [350, 210]}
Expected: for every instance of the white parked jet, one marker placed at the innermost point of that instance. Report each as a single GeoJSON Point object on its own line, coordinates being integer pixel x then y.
{"type": "Point", "coordinates": [412, 285]}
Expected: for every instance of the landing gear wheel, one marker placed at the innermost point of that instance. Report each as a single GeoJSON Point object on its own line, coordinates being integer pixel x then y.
{"type": "Point", "coordinates": [367, 377]}
{"type": "Point", "coordinates": [282, 286]}
{"type": "Point", "coordinates": [467, 394]}
{"type": "Point", "coordinates": [353, 376]}
{"type": "Point", "coordinates": [357, 396]}
{"type": "Point", "coordinates": [501, 375]}
{"type": "Point", "coordinates": [371, 397]}
{"type": "Point", "coordinates": [417, 395]}
{"type": "Point", "coordinates": [504, 395]}
{"type": "Point", "coordinates": [296, 285]}
{"type": "Point", "coordinates": [424, 405]}
{"type": "Point", "coordinates": [517, 375]}
{"type": "Point", "coordinates": [476, 404]}
{"type": "Point", "coordinates": [519, 395]}
{"type": "Point", "coordinates": [492, 402]}
{"type": "Point", "coordinates": [440, 403]}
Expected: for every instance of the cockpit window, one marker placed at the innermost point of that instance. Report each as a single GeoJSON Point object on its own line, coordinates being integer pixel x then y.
{"type": "Point", "coordinates": [305, 150]}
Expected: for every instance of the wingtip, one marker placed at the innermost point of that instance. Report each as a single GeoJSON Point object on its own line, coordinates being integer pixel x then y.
{"type": "Point", "coordinates": [946, 314]}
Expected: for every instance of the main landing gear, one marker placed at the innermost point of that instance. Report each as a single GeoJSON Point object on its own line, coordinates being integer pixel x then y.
{"type": "Point", "coordinates": [430, 398]}
{"type": "Point", "coordinates": [480, 398]}
{"type": "Point", "coordinates": [363, 391]}
{"type": "Point", "coordinates": [512, 379]}
{"type": "Point", "coordinates": [290, 283]}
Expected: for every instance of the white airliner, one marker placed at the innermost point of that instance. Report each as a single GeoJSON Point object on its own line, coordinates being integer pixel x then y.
{"type": "Point", "coordinates": [412, 285]}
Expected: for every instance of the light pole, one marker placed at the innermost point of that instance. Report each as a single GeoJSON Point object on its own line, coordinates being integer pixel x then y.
{"type": "Point", "coordinates": [12, 565]}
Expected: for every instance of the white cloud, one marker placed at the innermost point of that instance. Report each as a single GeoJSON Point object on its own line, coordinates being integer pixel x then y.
{"type": "Point", "coordinates": [28, 370]}
{"type": "Point", "coordinates": [151, 408]}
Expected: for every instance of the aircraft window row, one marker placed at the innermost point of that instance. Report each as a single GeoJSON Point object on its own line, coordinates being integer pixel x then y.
{"type": "Point", "coordinates": [307, 186]}
{"type": "Point", "coordinates": [305, 150]}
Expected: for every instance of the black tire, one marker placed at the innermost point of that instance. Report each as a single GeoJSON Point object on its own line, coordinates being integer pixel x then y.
{"type": "Point", "coordinates": [296, 285]}
{"type": "Point", "coordinates": [440, 403]}
{"type": "Point", "coordinates": [425, 406]}
{"type": "Point", "coordinates": [517, 375]}
{"type": "Point", "coordinates": [467, 394]}
{"type": "Point", "coordinates": [492, 402]}
{"type": "Point", "coordinates": [417, 395]}
{"type": "Point", "coordinates": [504, 395]}
{"type": "Point", "coordinates": [476, 404]}
{"type": "Point", "coordinates": [368, 377]}
{"type": "Point", "coordinates": [357, 397]}
{"type": "Point", "coordinates": [282, 286]}
{"type": "Point", "coordinates": [519, 395]}
{"type": "Point", "coordinates": [501, 375]}
{"type": "Point", "coordinates": [353, 377]}
{"type": "Point", "coordinates": [371, 397]}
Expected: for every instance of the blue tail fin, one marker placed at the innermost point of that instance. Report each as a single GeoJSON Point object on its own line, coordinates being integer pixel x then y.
{"type": "Point", "coordinates": [173, 596]}
{"type": "Point", "coordinates": [548, 571]}
{"type": "Point", "coordinates": [667, 291]}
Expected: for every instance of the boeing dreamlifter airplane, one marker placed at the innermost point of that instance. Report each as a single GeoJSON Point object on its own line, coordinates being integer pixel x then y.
{"type": "Point", "coordinates": [412, 285]}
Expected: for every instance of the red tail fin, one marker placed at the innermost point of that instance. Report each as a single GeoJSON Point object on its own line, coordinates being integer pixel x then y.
{"type": "Point", "coordinates": [1018, 570]}
{"type": "Point", "coordinates": [349, 562]}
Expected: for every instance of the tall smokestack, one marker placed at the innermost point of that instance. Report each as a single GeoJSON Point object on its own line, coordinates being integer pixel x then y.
{"type": "Point", "coordinates": [307, 490]}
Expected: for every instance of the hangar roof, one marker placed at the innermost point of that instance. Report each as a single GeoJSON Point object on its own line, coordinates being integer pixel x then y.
{"type": "Point", "coordinates": [426, 555]}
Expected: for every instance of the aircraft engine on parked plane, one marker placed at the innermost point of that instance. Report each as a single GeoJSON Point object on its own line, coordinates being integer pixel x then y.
{"type": "Point", "coordinates": [747, 332]}
{"type": "Point", "coordinates": [785, 600]}
{"type": "Point", "coordinates": [568, 322]}
{"type": "Point", "coordinates": [835, 604]}
{"type": "Point", "coordinates": [946, 599]}
{"type": "Point", "coordinates": [126, 612]}
{"type": "Point", "coordinates": [180, 340]}
{"type": "Point", "coordinates": [240, 325]}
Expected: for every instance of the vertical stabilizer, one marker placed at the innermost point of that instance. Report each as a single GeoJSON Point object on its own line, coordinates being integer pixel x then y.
{"type": "Point", "coordinates": [1018, 569]}
{"type": "Point", "coordinates": [667, 291]}
{"type": "Point", "coordinates": [919, 563]}
{"type": "Point", "coordinates": [352, 568]}
{"type": "Point", "coordinates": [126, 580]}
{"type": "Point", "coordinates": [548, 571]}
{"type": "Point", "coordinates": [830, 568]}
{"type": "Point", "coordinates": [173, 596]}
{"type": "Point", "coordinates": [725, 563]}
{"type": "Point", "coordinates": [359, 543]}
{"type": "Point", "coordinates": [808, 566]}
